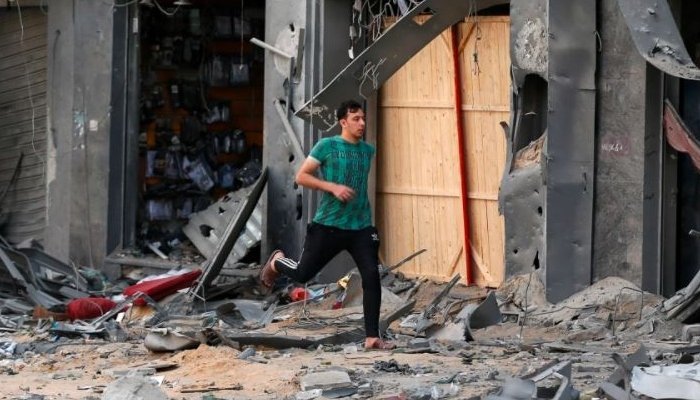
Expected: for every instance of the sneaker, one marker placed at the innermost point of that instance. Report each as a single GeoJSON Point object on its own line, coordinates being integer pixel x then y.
{"type": "Point", "coordinates": [267, 273]}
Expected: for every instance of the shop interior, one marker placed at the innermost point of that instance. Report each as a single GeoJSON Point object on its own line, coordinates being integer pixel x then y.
{"type": "Point", "coordinates": [201, 114]}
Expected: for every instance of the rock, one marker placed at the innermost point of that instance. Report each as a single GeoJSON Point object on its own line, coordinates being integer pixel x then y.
{"type": "Point", "coordinates": [132, 389]}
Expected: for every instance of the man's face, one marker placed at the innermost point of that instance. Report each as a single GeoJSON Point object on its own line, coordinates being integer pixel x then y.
{"type": "Point", "coordinates": [354, 123]}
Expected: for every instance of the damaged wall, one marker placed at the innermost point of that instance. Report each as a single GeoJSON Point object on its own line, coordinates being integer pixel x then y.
{"type": "Point", "coordinates": [284, 226]}
{"type": "Point", "coordinates": [80, 54]}
{"type": "Point", "coordinates": [521, 197]}
{"type": "Point", "coordinates": [547, 195]}
{"type": "Point", "coordinates": [619, 150]}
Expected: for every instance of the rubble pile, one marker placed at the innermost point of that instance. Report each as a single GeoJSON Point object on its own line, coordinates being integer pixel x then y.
{"type": "Point", "coordinates": [216, 330]}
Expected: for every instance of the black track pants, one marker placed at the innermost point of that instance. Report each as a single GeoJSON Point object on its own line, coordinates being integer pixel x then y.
{"type": "Point", "coordinates": [322, 243]}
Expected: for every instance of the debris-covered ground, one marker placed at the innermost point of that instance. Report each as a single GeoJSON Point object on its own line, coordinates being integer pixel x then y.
{"type": "Point", "coordinates": [213, 332]}
{"type": "Point", "coordinates": [304, 343]}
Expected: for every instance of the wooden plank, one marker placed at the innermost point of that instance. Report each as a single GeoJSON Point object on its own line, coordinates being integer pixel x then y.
{"type": "Point", "coordinates": [405, 103]}
{"type": "Point", "coordinates": [418, 181]}
{"type": "Point", "coordinates": [436, 193]}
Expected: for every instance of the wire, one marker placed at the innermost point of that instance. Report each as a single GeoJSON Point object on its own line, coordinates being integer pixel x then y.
{"type": "Point", "coordinates": [31, 95]}
{"type": "Point", "coordinates": [370, 71]}
{"type": "Point", "coordinates": [164, 11]}
{"type": "Point", "coordinates": [115, 4]}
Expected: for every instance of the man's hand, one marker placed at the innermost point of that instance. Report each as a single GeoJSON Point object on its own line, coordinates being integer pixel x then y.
{"type": "Point", "coordinates": [343, 193]}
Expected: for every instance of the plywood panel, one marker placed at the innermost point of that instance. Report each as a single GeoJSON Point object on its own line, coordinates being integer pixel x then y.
{"type": "Point", "coordinates": [419, 203]}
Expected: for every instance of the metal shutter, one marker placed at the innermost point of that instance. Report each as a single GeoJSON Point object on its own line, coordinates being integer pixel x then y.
{"type": "Point", "coordinates": [23, 122]}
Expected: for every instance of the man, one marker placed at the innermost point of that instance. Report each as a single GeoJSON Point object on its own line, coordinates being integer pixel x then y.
{"type": "Point", "coordinates": [343, 220]}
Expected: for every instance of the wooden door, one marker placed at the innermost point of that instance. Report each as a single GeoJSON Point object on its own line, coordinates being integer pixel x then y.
{"type": "Point", "coordinates": [419, 193]}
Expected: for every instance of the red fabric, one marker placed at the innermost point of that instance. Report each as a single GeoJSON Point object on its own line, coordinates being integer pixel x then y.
{"type": "Point", "coordinates": [88, 307]}
{"type": "Point", "coordinates": [159, 288]}
{"type": "Point", "coordinates": [298, 294]}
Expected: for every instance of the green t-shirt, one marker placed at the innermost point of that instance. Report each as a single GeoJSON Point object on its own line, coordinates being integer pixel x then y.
{"type": "Point", "coordinates": [347, 164]}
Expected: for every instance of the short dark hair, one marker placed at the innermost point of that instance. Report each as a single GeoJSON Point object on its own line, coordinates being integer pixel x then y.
{"type": "Point", "coordinates": [346, 107]}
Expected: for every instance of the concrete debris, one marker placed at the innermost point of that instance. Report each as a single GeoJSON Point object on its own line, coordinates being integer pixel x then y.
{"type": "Point", "coordinates": [475, 327]}
{"type": "Point", "coordinates": [332, 383]}
{"type": "Point", "coordinates": [690, 331]}
{"type": "Point", "coordinates": [685, 303]}
{"type": "Point", "coordinates": [472, 316]}
{"type": "Point", "coordinates": [206, 228]}
{"type": "Point", "coordinates": [535, 385]}
{"type": "Point", "coordinates": [132, 388]}
{"type": "Point", "coordinates": [680, 381]}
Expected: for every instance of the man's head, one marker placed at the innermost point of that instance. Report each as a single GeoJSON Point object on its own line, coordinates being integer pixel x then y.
{"type": "Point", "coordinates": [351, 118]}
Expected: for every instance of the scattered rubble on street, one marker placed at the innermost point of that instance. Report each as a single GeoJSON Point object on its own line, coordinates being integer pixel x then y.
{"type": "Point", "coordinates": [235, 340]}
{"type": "Point", "coordinates": [214, 332]}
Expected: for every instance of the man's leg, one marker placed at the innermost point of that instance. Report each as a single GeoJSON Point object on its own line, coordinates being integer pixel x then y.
{"type": "Point", "coordinates": [364, 249]}
{"type": "Point", "coordinates": [322, 243]}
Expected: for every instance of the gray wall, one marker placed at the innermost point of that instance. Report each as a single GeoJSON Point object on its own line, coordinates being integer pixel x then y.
{"type": "Point", "coordinates": [617, 237]}
{"type": "Point", "coordinates": [284, 215]}
{"type": "Point", "coordinates": [80, 58]}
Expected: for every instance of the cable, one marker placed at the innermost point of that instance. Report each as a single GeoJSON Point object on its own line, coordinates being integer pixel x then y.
{"type": "Point", "coordinates": [31, 95]}
{"type": "Point", "coordinates": [370, 71]}
{"type": "Point", "coordinates": [115, 4]}
{"type": "Point", "coordinates": [164, 11]}
{"type": "Point", "coordinates": [617, 301]}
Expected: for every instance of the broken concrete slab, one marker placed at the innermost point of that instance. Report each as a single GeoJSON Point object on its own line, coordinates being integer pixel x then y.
{"type": "Point", "coordinates": [332, 383]}
{"type": "Point", "coordinates": [229, 237]}
{"type": "Point", "coordinates": [276, 341]}
{"type": "Point", "coordinates": [680, 381]}
{"type": "Point", "coordinates": [132, 388]}
{"type": "Point", "coordinates": [206, 228]}
{"type": "Point", "coordinates": [472, 316]}
{"type": "Point", "coordinates": [515, 389]}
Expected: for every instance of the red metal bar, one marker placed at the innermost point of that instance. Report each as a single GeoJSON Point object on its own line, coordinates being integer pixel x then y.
{"type": "Point", "coordinates": [462, 154]}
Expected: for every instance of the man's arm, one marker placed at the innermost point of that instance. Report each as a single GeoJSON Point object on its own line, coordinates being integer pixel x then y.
{"type": "Point", "coordinates": [306, 176]}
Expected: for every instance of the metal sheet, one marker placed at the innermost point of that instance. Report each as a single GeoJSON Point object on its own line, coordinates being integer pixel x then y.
{"type": "Point", "coordinates": [218, 216]}
{"type": "Point", "coordinates": [570, 149]}
{"type": "Point", "coordinates": [230, 236]}
{"type": "Point", "coordinates": [23, 122]}
{"type": "Point", "coordinates": [485, 314]}
{"type": "Point", "coordinates": [386, 55]}
{"type": "Point", "coordinates": [657, 37]}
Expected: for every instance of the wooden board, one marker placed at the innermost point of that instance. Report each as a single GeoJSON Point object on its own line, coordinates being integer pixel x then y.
{"type": "Point", "coordinates": [419, 196]}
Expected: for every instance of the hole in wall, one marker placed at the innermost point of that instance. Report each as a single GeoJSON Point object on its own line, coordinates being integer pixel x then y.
{"type": "Point", "coordinates": [295, 186]}
{"type": "Point", "coordinates": [221, 211]}
{"type": "Point", "coordinates": [539, 210]}
{"type": "Point", "coordinates": [536, 261]}
{"type": "Point", "coordinates": [515, 251]}
{"type": "Point", "coordinates": [205, 230]}
{"type": "Point", "coordinates": [291, 27]}
{"type": "Point", "coordinates": [291, 158]}
{"type": "Point", "coordinates": [531, 121]}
